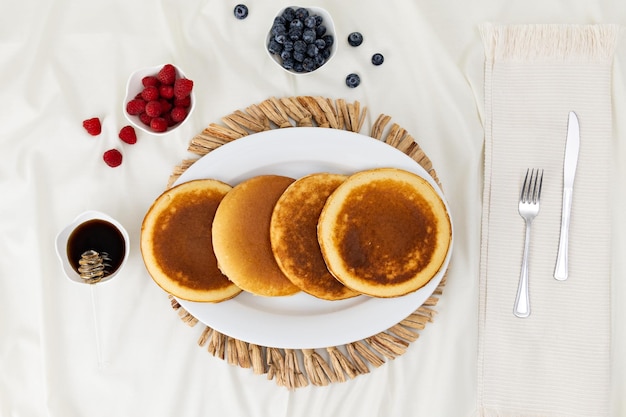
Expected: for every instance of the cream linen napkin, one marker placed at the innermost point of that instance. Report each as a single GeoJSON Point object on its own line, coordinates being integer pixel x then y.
{"type": "Point", "coordinates": [555, 362]}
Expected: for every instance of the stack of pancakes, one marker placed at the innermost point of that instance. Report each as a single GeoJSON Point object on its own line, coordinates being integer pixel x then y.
{"type": "Point", "coordinates": [383, 232]}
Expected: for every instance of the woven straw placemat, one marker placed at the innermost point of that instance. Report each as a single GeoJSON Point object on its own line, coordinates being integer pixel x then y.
{"type": "Point", "coordinates": [294, 368]}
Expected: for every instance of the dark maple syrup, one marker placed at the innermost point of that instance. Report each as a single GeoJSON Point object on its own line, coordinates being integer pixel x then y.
{"type": "Point", "coordinates": [98, 235]}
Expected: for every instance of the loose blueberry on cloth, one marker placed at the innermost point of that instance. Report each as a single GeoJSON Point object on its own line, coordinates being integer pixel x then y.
{"type": "Point", "coordinates": [353, 80]}
{"type": "Point", "coordinates": [355, 39]}
{"type": "Point", "coordinates": [241, 11]}
{"type": "Point", "coordinates": [378, 59]}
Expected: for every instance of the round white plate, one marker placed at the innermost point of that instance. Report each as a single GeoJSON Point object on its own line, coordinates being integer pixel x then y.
{"type": "Point", "coordinates": [302, 321]}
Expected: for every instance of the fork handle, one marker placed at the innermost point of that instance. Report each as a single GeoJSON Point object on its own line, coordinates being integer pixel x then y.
{"type": "Point", "coordinates": [522, 300]}
{"type": "Point", "coordinates": [560, 271]}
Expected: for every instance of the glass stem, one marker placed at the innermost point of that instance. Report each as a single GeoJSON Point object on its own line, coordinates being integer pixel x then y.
{"type": "Point", "coordinates": [101, 363]}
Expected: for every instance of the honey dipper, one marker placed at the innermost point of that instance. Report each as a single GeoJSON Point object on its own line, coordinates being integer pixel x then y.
{"type": "Point", "coordinates": [93, 266]}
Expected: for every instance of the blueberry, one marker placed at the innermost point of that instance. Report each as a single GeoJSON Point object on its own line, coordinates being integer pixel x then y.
{"type": "Point", "coordinates": [295, 34]}
{"type": "Point", "coordinates": [297, 66]}
{"type": "Point", "coordinates": [274, 47]}
{"type": "Point", "coordinates": [286, 55]}
{"type": "Point", "coordinates": [310, 22]}
{"type": "Point", "coordinates": [299, 56]}
{"type": "Point", "coordinates": [320, 43]}
{"type": "Point", "coordinates": [288, 63]}
{"type": "Point", "coordinates": [309, 64]}
{"type": "Point", "coordinates": [280, 38]}
{"type": "Point", "coordinates": [288, 45]}
{"type": "Point", "coordinates": [312, 50]}
{"type": "Point", "coordinates": [296, 24]}
{"type": "Point", "coordinates": [320, 30]}
{"type": "Point", "coordinates": [289, 14]}
{"type": "Point", "coordinates": [299, 45]}
{"type": "Point", "coordinates": [326, 53]}
{"type": "Point", "coordinates": [355, 39]}
{"type": "Point", "coordinates": [302, 13]}
{"type": "Point", "coordinates": [241, 11]}
{"type": "Point", "coordinates": [329, 40]}
{"type": "Point", "coordinates": [378, 59]}
{"type": "Point", "coordinates": [280, 20]}
{"type": "Point", "coordinates": [353, 80]}
{"type": "Point", "coordinates": [318, 20]}
{"type": "Point", "coordinates": [278, 29]}
{"type": "Point", "coordinates": [308, 35]}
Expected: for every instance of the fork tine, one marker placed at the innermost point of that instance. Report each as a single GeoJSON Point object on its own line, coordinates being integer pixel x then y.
{"type": "Point", "coordinates": [540, 184]}
{"type": "Point", "coordinates": [536, 180]}
{"type": "Point", "coordinates": [531, 189]}
{"type": "Point", "coordinates": [532, 195]}
{"type": "Point", "coordinates": [524, 193]}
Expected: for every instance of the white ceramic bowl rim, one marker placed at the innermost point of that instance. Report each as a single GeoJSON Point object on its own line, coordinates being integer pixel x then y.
{"type": "Point", "coordinates": [63, 236]}
{"type": "Point", "coordinates": [134, 86]}
{"type": "Point", "coordinates": [330, 29]}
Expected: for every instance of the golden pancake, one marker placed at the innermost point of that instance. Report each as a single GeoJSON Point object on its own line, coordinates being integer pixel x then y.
{"type": "Point", "coordinates": [176, 242]}
{"type": "Point", "coordinates": [241, 236]}
{"type": "Point", "coordinates": [293, 235]}
{"type": "Point", "coordinates": [384, 232]}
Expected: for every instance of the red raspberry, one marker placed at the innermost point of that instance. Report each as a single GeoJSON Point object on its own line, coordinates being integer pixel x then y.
{"type": "Point", "coordinates": [168, 119]}
{"type": "Point", "coordinates": [166, 106]}
{"type": "Point", "coordinates": [150, 80]}
{"type": "Point", "coordinates": [166, 91]}
{"type": "Point", "coordinates": [136, 106]}
{"type": "Point", "coordinates": [167, 74]}
{"type": "Point", "coordinates": [92, 126]}
{"type": "Point", "coordinates": [150, 93]}
{"type": "Point", "coordinates": [145, 119]}
{"type": "Point", "coordinates": [153, 109]}
{"type": "Point", "coordinates": [112, 158]}
{"type": "Point", "coordinates": [182, 88]}
{"type": "Point", "coordinates": [178, 114]}
{"type": "Point", "coordinates": [158, 124]}
{"type": "Point", "coordinates": [182, 102]}
{"type": "Point", "coordinates": [128, 135]}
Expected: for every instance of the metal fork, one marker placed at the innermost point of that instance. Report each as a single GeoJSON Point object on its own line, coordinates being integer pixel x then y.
{"type": "Point", "coordinates": [528, 208]}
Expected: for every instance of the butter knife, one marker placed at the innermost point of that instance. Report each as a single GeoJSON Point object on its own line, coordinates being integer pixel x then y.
{"type": "Point", "coordinates": [572, 146]}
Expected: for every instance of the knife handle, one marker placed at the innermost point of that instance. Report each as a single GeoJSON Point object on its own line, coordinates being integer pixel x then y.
{"type": "Point", "coordinates": [560, 271]}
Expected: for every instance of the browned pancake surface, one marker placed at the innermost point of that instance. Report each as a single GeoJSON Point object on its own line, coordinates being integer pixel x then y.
{"type": "Point", "coordinates": [177, 246]}
{"type": "Point", "coordinates": [386, 233]}
{"type": "Point", "coordinates": [293, 234]}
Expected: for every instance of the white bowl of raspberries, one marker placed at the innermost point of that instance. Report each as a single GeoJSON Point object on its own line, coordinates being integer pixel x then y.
{"type": "Point", "coordinates": [158, 99]}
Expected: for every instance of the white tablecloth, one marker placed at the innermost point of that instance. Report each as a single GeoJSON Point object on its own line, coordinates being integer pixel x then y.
{"type": "Point", "coordinates": [66, 61]}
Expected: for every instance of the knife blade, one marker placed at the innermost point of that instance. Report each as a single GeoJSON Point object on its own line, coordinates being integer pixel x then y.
{"type": "Point", "coordinates": [572, 147]}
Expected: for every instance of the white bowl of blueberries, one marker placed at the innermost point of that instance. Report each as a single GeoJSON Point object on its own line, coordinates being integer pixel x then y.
{"type": "Point", "coordinates": [301, 39]}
